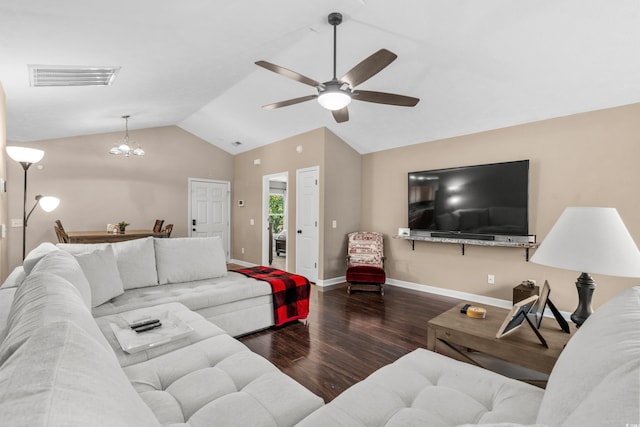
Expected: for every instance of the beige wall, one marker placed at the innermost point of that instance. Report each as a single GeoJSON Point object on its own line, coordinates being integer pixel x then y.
{"type": "Point", "coordinates": [582, 160]}
{"type": "Point", "coordinates": [274, 158]}
{"type": "Point", "coordinates": [339, 183]}
{"type": "Point", "coordinates": [96, 188]}
{"type": "Point", "coordinates": [341, 203]}
{"type": "Point", "coordinates": [4, 204]}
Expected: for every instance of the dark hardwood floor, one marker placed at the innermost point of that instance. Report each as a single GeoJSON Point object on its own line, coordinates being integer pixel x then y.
{"type": "Point", "coordinates": [349, 336]}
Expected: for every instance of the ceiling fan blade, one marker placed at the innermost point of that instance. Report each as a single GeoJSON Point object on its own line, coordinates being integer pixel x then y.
{"type": "Point", "coordinates": [288, 73]}
{"type": "Point", "coordinates": [384, 98]}
{"type": "Point", "coordinates": [341, 115]}
{"type": "Point", "coordinates": [369, 67]}
{"type": "Point", "coordinates": [289, 102]}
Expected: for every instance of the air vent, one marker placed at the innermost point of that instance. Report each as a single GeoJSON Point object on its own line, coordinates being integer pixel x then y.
{"type": "Point", "coordinates": [65, 75]}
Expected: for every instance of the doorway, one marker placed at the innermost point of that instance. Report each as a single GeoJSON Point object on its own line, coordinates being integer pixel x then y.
{"type": "Point", "coordinates": [209, 210]}
{"type": "Point", "coordinates": [274, 220]}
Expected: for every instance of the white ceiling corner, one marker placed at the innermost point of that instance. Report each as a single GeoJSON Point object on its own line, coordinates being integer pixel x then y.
{"type": "Point", "coordinates": [474, 65]}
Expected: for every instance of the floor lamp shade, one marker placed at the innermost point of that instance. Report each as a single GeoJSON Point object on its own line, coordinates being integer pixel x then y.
{"type": "Point", "coordinates": [589, 240]}
{"type": "Point", "coordinates": [25, 155]}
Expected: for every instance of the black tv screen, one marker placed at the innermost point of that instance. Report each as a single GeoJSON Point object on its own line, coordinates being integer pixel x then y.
{"type": "Point", "coordinates": [483, 200]}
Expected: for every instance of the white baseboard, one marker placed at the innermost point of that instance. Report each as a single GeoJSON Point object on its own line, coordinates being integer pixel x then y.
{"type": "Point", "coordinates": [242, 263]}
{"type": "Point", "coordinates": [329, 284]}
{"type": "Point", "coordinates": [465, 296]}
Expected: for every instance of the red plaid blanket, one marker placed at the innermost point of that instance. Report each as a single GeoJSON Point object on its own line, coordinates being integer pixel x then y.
{"type": "Point", "coordinates": [290, 292]}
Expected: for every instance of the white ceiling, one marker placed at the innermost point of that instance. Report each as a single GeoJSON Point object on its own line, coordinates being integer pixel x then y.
{"type": "Point", "coordinates": [475, 65]}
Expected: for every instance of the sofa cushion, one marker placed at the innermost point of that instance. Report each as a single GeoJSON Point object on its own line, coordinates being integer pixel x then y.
{"type": "Point", "coordinates": [595, 367]}
{"type": "Point", "coordinates": [195, 295]}
{"type": "Point", "coordinates": [60, 377]}
{"type": "Point", "coordinates": [36, 255]}
{"type": "Point", "coordinates": [42, 299]}
{"type": "Point", "coordinates": [220, 379]}
{"type": "Point", "coordinates": [6, 299]}
{"type": "Point", "coordinates": [64, 265]}
{"type": "Point", "coordinates": [190, 258]}
{"type": "Point", "coordinates": [136, 259]}
{"type": "Point", "coordinates": [136, 262]}
{"type": "Point", "coordinates": [102, 272]}
{"type": "Point", "coordinates": [15, 278]}
{"type": "Point", "coordinates": [426, 388]}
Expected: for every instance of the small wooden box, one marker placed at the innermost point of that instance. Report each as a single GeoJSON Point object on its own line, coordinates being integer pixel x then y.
{"type": "Point", "coordinates": [523, 291]}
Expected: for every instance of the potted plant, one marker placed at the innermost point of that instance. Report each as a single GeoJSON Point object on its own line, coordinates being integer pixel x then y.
{"type": "Point", "coordinates": [121, 226]}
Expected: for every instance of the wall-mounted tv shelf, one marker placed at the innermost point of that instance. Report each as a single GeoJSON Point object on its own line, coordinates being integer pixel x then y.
{"type": "Point", "coordinates": [463, 242]}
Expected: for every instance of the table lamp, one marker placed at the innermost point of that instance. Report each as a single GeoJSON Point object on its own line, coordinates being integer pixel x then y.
{"type": "Point", "coordinates": [589, 240]}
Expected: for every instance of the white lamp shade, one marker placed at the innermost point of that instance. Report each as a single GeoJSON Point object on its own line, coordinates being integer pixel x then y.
{"type": "Point", "coordinates": [24, 154]}
{"type": "Point", "coordinates": [590, 240]}
{"type": "Point", "coordinates": [49, 203]}
{"type": "Point", "coordinates": [332, 99]}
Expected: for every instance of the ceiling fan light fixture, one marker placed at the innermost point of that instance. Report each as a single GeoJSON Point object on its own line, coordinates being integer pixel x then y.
{"type": "Point", "coordinates": [333, 98]}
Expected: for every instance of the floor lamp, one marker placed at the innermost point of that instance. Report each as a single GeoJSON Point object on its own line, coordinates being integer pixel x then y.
{"type": "Point", "coordinates": [593, 240]}
{"type": "Point", "coordinates": [26, 157]}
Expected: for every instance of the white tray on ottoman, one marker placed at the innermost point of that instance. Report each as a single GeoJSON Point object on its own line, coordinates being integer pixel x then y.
{"type": "Point", "coordinates": [180, 327]}
{"type": "Point", "coordinates": [171, 328]}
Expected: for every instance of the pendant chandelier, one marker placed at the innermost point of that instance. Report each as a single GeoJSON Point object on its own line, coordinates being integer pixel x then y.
{"type": "Point", "coordinates": [127, 148]}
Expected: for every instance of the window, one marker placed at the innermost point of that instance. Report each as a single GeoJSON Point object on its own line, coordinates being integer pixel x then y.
{"type": "Point", "coordinates": [276, 212]}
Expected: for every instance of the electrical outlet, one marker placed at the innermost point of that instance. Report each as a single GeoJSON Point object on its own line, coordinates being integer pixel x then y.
{"type": "Point", "coordinates": [16, 222]}
{"type": "Point", "coordinates": [242, 250]}
{"type": "Point", "coordinates": [491, 279]}
{"type": "Point", "coordinates": [251, 221]}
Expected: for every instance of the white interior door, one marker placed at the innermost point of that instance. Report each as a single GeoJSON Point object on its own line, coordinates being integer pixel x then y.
{"type": "Point", "coordinates": [307, 223]}
{"type": "Point", "coordinates": [209, 210]}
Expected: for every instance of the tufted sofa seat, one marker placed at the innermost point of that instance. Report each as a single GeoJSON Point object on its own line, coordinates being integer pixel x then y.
{"type": "Point", "coordinates": [219, 379]}
{"type": "Point", "coordinates": [423, 388]}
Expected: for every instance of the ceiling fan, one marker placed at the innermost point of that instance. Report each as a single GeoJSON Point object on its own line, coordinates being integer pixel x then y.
{"type": "Point", "coordinates": [336, 94]}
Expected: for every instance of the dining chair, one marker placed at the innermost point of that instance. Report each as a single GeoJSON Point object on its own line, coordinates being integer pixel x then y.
{"type": "Point", "coordinates": [157, 227]}
{"type": "Point", "coordinates": [167, 229]}
{"type": "Point", "coordinates": [63, 237]}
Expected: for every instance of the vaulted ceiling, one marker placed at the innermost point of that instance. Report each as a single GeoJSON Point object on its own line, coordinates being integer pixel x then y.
{"type": "Point", "coordinates": [475, 65]}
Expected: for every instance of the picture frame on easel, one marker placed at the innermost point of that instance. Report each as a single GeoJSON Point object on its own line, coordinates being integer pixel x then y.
{"type": "Point", "coordinates": [537, 312]}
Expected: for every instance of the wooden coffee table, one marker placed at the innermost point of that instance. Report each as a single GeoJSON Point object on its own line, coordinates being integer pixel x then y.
{"type": "Point", "coordinates": [456, 335]}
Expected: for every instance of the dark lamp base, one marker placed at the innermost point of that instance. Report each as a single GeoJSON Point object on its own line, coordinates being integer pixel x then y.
{"type": "Point", "coordinates": [585, 286]}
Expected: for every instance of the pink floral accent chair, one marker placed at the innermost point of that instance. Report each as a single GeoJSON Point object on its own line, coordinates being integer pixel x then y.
{"type": "Point", "coordinates": [365, 262]}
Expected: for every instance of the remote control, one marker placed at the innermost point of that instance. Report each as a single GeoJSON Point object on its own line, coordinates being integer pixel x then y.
{"type": "Point", "coordinates": [143, 323]}
{"type": "Point", "coordinates": [148, 327]}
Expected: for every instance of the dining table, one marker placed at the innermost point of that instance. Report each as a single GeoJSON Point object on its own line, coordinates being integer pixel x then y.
{"type": "Point", "coordinates": [110, 237]}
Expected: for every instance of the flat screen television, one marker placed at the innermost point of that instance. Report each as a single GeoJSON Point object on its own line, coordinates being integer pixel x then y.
{"type": "Point", "coordinates": [486, 202]}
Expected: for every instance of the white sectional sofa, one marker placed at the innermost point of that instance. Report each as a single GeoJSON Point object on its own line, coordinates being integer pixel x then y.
{"type": "Point", "coordinates": [61, 366]}
{"type": "Point", "coordinates": [186, 270]}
